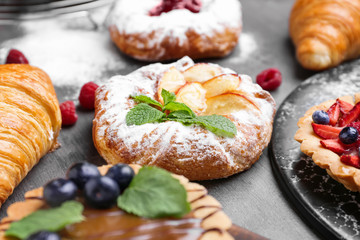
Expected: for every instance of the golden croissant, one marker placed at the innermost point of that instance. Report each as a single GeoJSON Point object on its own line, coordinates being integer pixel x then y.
{"type": "Point", "coordinates": [325, 32]}
{"type": "Point", "coordinates": [30, 121]}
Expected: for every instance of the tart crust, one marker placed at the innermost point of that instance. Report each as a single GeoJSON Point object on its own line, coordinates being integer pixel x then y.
{"type": "Point", "coordinates": [214, 221]}
{"type": "Point", "coordinates": [310, 145]}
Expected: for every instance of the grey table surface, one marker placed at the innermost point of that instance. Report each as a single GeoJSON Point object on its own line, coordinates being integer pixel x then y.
{"type": "Point", "coordinates": [253, 199]}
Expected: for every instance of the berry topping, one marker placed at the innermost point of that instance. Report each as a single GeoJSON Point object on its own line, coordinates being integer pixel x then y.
{"type": "Point", "coordinates": [169, 5]}
{"type": "Point", "coordinates": [321, 117]}
{"type": "Point", "coordinates": [269, 79]}
{"type": "Point", "coordinates": [68, 113]}
{"type": "Point", "coordinates": [87, 95]}
{"type": "Point", "coordinates": [334, 113]}
{"type": "Point", "coordinates": [122, 174]}
{"type": "Point", "coordinates": [326, 131]}
{"type": "Point", "coordinates": [348, 135]}
{"type": "Point", "coordinates": [80, 173]}
{"type": "Point", "coordinates": [333, 145]}
{"type": "Point", "coordinates": [101, 192]}
{"type": "Point", "coordinates": [351, 160]}
{"type": "Point", "coordinates": [345, 107]}
{"type": "Point", "coordinates": [44, 235]}
{"type": "Point", "coordinates": [15, 56]}
{"type": "Point", "coordinates": [351, 116]}
{"type": "Point", "coordinates": [58, 191]}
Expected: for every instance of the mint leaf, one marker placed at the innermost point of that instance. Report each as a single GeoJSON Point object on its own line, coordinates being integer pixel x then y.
{"type": "Point", "coordinates": [217, 124]}
{"type": "Point", "coordinates": [180, 114]}
{"type": "Point", "coordinates": [167, 96]}
{"type": "Point", "coordinates": [154, 193]}
{"type": "Point", "coordinates": [176, 106]}
{"type": "Point", "coordinates": [143, 113]}
{"type": "Point", "coordinates": [53, 219]}
{"type": "Point", "coordinates": [146, 99]}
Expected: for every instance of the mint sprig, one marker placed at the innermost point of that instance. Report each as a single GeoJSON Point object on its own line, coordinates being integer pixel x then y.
{"type": "Point", "coordinates": [53, 220]}
{"type": "Point", "coordinates": [145, 112]}
{"type": "Point", "coordinates": [154, 193]}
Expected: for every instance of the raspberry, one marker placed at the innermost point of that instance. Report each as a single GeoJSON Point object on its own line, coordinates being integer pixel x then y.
{"type": "Point", "coordinates": [68, 113]}
{"type": "Point", "coordinates": [269, 79]}
{"type": "Point", "coordinates": [168, 5]}
{"type": "Point", "coordinates": [15, 56]}
{"type": "Point", "coordinates": [87, 95]}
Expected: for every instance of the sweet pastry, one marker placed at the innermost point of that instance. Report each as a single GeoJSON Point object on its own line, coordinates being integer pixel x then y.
{"type": "Point", "coordinates": [206, 220]}
{"type": "Point", "coordinates": [155, 30]}
{"type": "Point", "coordinates": [329, 133]}
{"type": "Point", "coordinates": [30, 122]}
{"type": "Point", "coordinates": [192, 151]}
{"type": "Point", "coordinates": [325, 32]}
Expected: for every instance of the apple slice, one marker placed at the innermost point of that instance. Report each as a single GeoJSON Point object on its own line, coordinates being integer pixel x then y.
{"type": "Point", "coordinates": [171, 81]}
{"type": "Point", "coordinates": [193, 95]}
{"type": "Point", "coordinates": [221, 84]}
{"type": "Point", "coordinates": [227, 103]}
{"type": "Point", "coordinates": [201, 72]}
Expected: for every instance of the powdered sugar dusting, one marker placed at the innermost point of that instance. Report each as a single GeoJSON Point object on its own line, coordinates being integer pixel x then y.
{"type": "Point", "coordinates": [114, 102]}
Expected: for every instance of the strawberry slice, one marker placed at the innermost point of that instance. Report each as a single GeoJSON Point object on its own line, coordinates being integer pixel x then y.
{"type": "Point", "coordinates": [351, 160]}
{"type": "Point", "coordinates": [350, 117]}
{"type": "Point", "coordinates": [326, 131]}
{"type": "Point", "coordinates": [345, 107]}
{"type": "Point", "coordinates": [333, 145]}
{"type": "Point", "coordinates": [334, 113]}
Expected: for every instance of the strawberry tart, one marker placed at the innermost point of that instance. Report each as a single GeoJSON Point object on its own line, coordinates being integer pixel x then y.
{"type": "Point", "coordinates": [154, 30]}
{"type": "Point", "coordinates": [198, 120]}
{"type": "Point", "coordinates": [329, 133]}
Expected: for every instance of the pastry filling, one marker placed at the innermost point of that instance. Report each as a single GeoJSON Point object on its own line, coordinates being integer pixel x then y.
{"type": "Point", "coordinates": [169, 5]}
{"type": "Point", "coordinates": [339, 129]}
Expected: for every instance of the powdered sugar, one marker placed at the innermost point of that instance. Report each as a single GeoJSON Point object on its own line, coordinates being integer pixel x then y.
{"type": "Point", "coordinates": [247, 46]}
{"type": "Point", "coordinates": [132, 17]}
{"type": "Point", "coordinates": [114, 104]}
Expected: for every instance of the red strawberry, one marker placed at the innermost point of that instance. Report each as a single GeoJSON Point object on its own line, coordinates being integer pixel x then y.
{"type": "Point", "coordinates": [333, 145]}
{"type": "Point", "coordinates": [326, 131]}
{"type": "Point", "coordinates": [351, 160]}
{"type": "Point", "coordinates": [334, 113]}
{"type": "Point", "coordinates": [345, 107]}
{"type": "Point", "coordinates": [350, 117]}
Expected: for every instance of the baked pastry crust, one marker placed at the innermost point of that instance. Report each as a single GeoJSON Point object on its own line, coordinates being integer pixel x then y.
{"type": "Point", "coordinates": [214, 221]}
{"type": "Point", "coordinates": [213, 32]}
{"type": "Point", "coordinates": [30, 121]}
{"type": "Point", "coordinates": [190, 151]}
{"type": "Point", "coordinates": [310, 145]}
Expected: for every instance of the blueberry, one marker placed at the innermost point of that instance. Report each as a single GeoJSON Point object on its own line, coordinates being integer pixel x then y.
{"type": "Point", "coordinates": [321, 117]}
{"type": "Point", "coordinates": [101, 192]}
{"type": "Point", "coordinates": [44, 235]}
{"type": "Point", "coordinates": [58, 191]}
{"type": "Point", "coordinates": [348, 135]}
{"type": "Point", "coordinates": [122, 174]}
{"type": "Point", "coordinates": [80, 173]}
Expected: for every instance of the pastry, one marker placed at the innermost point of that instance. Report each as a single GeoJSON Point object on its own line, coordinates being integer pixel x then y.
{"type": "Point", "coordinates": [199, 29]}
{"type": "Point", "coordinates": [192, 151]}
{"type": "Point", "coordinates": [30, 122]}
{"type": "Point", "coordinates": [325, 32]}
{"type": "Point", "coordinates": [206, 220]}
{"type": "Point", "coordinates": [329, 134]}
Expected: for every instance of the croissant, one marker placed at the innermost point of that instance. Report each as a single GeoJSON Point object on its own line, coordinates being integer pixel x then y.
{"type": "Point", "coordinates": [325, 32]}
{"type": "Point", "coordinates": [30, 121]}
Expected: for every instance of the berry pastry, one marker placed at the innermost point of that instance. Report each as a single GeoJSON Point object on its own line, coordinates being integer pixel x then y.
{"type": "Point", "coordinates": [329, 133]}
{"type": "Point", "coordinates": [154, 205]}
{"type": "Point", "coordinates": [154, 30]}
{"type": "Point", "coordinates": [30, 122]}
{"type": "Point", "coordinates": [197, 120]}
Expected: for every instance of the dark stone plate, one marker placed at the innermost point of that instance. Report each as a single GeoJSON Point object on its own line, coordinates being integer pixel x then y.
{"type": "Point", "coordinates": [326, 205]}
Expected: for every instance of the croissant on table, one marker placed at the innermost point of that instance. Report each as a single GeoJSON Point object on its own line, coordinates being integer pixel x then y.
{"type": "Point", "coordinates": [325, 32]}
{"type": "Point", "coordinates": [30, 121]}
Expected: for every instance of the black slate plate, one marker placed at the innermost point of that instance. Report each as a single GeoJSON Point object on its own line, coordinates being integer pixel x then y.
{"type": "Point", "coordinates": [326, 205]}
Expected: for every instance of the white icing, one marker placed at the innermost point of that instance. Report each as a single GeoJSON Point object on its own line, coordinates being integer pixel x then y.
{"type": "Point", "coordinates": [132, 17]}
{"type": "Point", "coordinates": [115, 106]}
